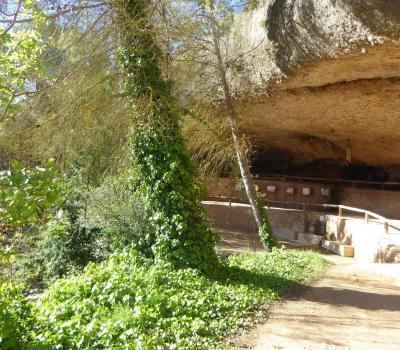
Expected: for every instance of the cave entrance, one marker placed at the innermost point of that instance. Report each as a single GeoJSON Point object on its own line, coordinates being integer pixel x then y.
{"type": "Point", "coordinates": [279, 162]}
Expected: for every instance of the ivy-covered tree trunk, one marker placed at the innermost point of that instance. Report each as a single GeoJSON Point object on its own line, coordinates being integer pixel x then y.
{"type": "Point", "coordinates": [163, 170]}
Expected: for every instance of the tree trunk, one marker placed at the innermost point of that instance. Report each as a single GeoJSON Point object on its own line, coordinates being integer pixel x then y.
{"type": "Point", "coordinates": [163, 172]}
{"type": "Point", "coordinates": [168, 49]}
{"type": "Point", "coordinates": [232, 115]}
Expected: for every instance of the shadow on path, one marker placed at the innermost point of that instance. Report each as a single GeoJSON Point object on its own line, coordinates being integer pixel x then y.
{"type": "Point", "coordinates": [354, 298]}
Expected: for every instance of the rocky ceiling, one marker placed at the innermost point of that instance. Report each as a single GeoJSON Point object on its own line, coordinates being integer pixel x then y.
{"type": "Point", "coordinates": [351, 103]}
{"type": "Point", "coordinates": [336, 73]}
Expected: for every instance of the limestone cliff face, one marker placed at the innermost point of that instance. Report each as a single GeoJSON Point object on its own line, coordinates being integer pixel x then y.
{"type": "Point", "coordinates": [321, 78]}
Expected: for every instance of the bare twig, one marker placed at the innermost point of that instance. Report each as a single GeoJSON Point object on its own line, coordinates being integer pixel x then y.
{"type": "Point", "coordinates": [60, 13]}
{"type": "Point", "coordinates": [13, 21]}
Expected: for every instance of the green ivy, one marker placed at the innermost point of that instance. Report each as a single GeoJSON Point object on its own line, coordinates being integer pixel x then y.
{"type": "Point", "coordinates": [164, 172]}
{"type": "Point", "coordinates": [15, 317]}
{"type": "Point", "coordinates": [128, 302]}
{"type": "Point", "coordinates": [265, 230]}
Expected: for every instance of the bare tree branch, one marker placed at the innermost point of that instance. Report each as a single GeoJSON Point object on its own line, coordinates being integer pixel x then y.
{"type": "Point", "coordinates": [60, 13]}
{"type": "Point", "coordinates": [14, 20]}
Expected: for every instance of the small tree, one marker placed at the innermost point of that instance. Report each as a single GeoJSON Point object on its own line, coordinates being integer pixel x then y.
{"type": "Point", "coordinates": [205, 50]}
{"type": "Point", "coordinates": [163, 171]}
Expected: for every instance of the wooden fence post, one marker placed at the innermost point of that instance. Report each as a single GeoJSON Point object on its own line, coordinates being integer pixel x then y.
{"type": "Point", "coordinates": [386, 227]}
{"type": "Point", "coordinates": [304, 219]}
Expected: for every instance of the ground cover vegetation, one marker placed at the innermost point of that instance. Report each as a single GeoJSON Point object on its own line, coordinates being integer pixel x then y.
{"type": "Point", "coordinates": [107, 245]}
{"type": "Point", "coordinates": [130, 302]}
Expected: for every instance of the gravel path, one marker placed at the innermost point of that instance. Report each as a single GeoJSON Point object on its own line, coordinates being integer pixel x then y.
{"type": "Point", "coordinates": [355, 307]}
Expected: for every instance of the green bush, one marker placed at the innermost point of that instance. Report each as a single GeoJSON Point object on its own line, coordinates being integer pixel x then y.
{"type": "Point", "coordinates": [92, 225]}
{"type": "Point", "coordinates": [53, 249]}
{"type": "Point", "coordinates": [26, 195]}
{"type": "Point", "coordinates": [28, 199]}
{"type": "Point", "coordinates": [129, 302]}
{"type": "Point", "coordinates": [117, 216]}
{"type": "Point", "coordinates": [48, 255]}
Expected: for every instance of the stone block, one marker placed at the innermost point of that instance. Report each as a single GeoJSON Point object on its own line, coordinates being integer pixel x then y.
{"type": "Point", "coordinates": [337, 248]}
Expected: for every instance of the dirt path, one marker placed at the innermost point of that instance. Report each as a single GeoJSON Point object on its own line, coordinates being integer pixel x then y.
{"type": "Point", "coordinates": [352, 308]}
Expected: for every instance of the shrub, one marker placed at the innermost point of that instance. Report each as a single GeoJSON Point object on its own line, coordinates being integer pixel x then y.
{"type": "Point", "coordinates": [26, 195]}
{"type": "Point", "coordinates": [48, 255]}
{"type": "Point", "coordinates": [117, 216]}
{"type": "Point", "coordinates": [92, 225]}
{"type": "Point", "coordinates": [28, 199]}
{"type": "Point", "coordinates": [54, 249]}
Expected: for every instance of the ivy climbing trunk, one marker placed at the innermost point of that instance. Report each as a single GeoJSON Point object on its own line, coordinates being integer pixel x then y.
{"type": "Point", "coordinates": [256, 203]}
{"type": "Point", "coordinates": [163, 170]}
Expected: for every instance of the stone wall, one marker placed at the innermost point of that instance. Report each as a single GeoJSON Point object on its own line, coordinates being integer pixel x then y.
{"type": "Point", "coordinates": [385, 203]}
{"type": "Point", "coordinates": [371, 244]}
{"type": "Point", "coordinates": [285, 223]}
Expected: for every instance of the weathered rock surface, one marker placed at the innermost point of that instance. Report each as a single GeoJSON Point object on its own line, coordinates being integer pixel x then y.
{"type": "Point", "coordinates": [322, 77]}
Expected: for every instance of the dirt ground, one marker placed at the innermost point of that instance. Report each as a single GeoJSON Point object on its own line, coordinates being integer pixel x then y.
{"type": "Point", "coordinates": [351, 308]}
{"type": "Point", "coordinates": [355, 307]}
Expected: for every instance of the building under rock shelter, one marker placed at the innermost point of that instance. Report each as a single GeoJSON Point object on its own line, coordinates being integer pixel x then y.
{"type": "Point", "coordinates": [320, 101]}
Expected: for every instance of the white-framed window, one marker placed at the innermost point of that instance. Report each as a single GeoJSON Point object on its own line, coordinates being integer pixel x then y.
{"type": "Point", "coordinates": [325, 191]}
{"type": "Point", "coordinates": [290, 191]}
{"type": "Point", "coordinates": [306, 191]}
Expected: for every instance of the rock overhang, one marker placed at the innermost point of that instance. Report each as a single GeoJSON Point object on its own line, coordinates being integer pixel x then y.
{"type": "Point", "coordinates": [330, 89]}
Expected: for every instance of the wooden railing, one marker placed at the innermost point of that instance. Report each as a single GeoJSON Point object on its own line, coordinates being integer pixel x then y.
{"type": "Point", "coordinates": [367, 216]}
{"type": "Point", "coordinates": [332, 208]}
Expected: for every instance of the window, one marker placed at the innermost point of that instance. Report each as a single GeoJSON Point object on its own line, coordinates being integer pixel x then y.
{"type": "Point", "coordinates": [290, 191]}
{"type": "Point", "coordinates": [306, 191]}
{"type": "Point", "coordinates": [325, 192]}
